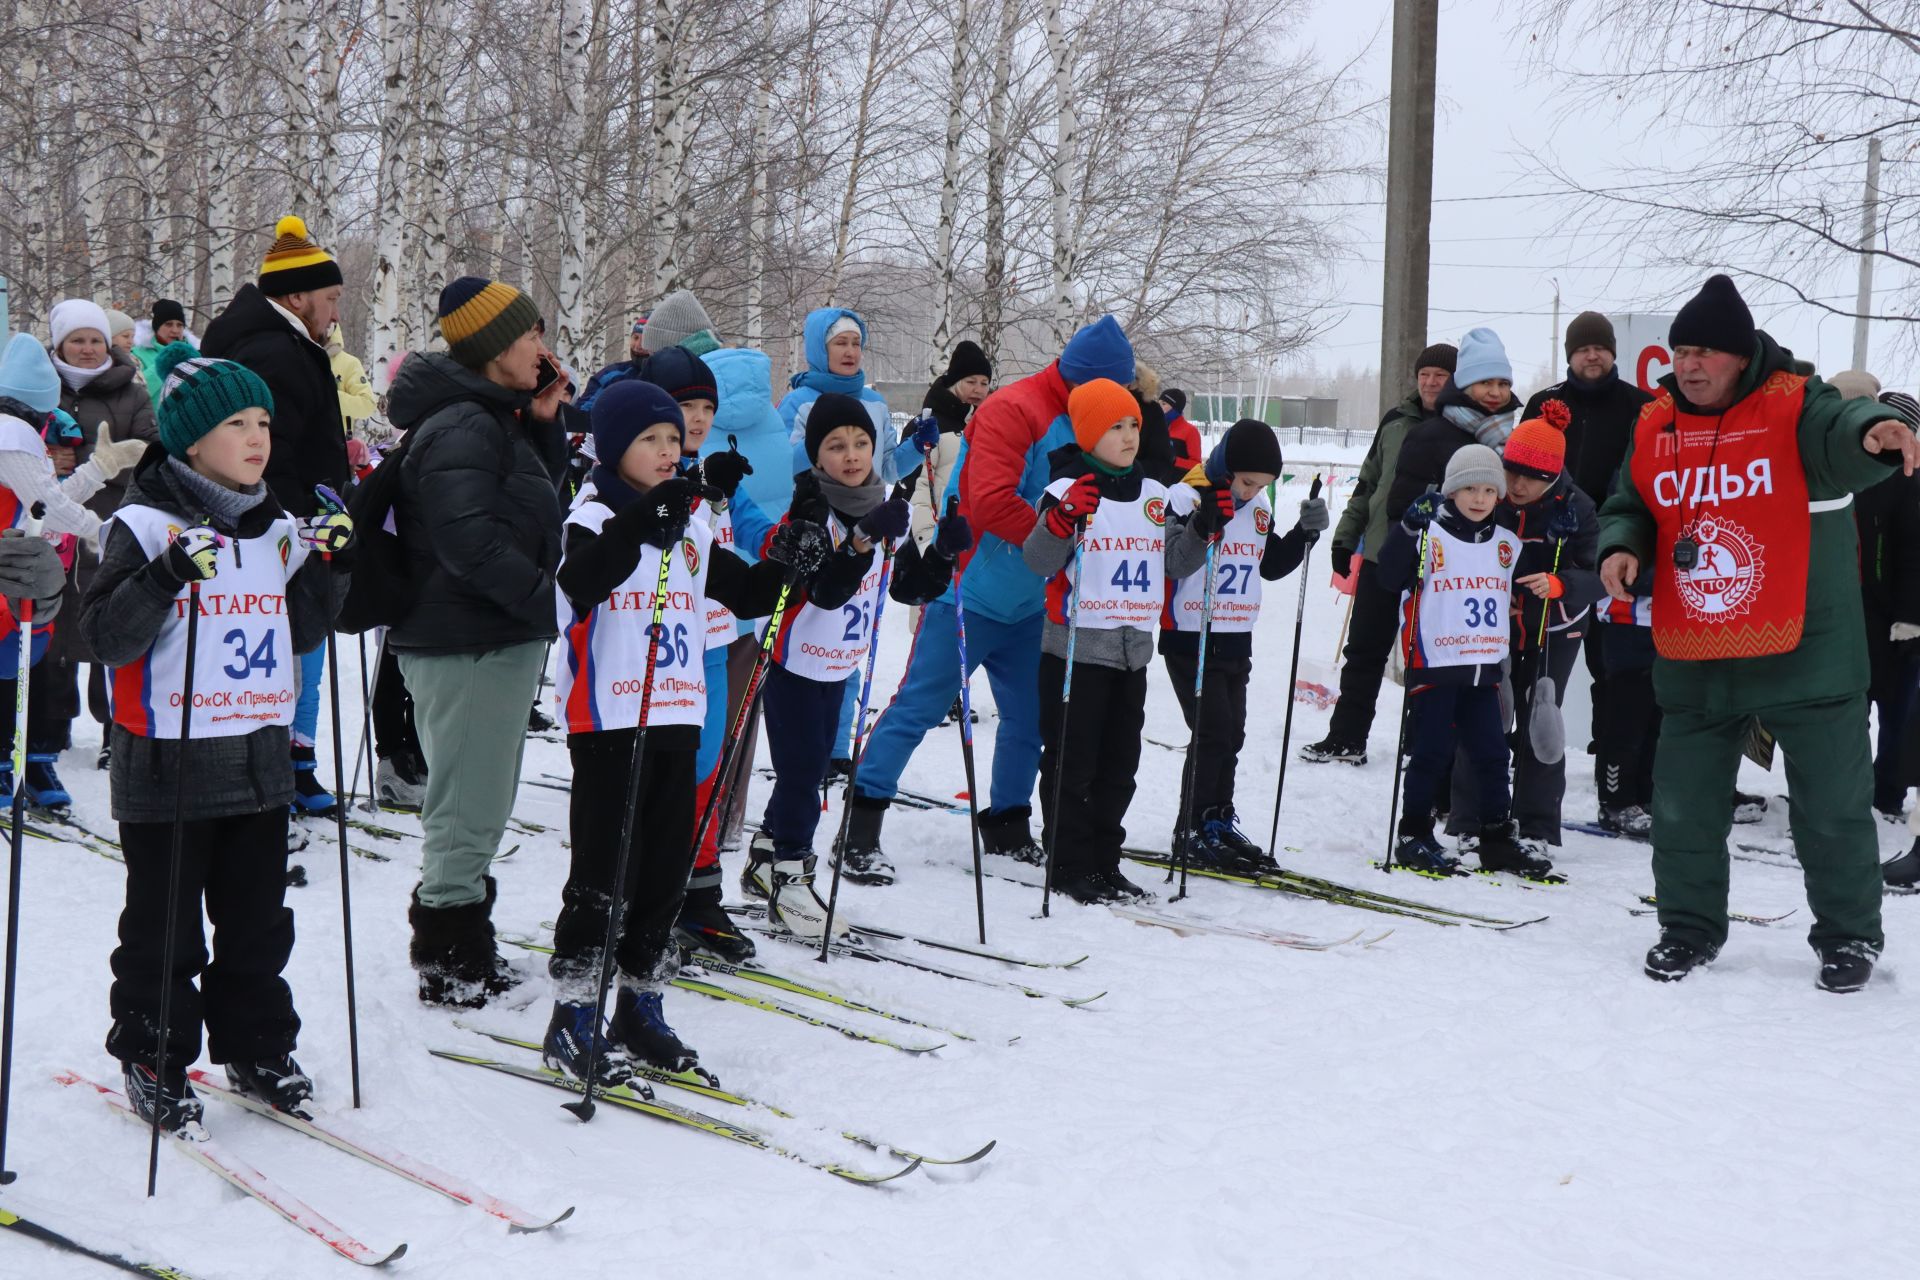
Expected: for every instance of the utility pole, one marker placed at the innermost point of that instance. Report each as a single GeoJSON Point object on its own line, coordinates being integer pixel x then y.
{"type": "Point", "coordinates": [1869, 214]}
{"type": "Point", "coordinates": [1403, 311]}
{"type": "Point", "coordinates": [1553, 334]}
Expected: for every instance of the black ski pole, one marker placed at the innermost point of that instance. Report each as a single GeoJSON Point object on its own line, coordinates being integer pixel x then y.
{"type": "Point", "coordinates": [1193, 734]}
{"type": "Point", "coordinates": [1293, 682]}
{"type": "Point", "coordinates": [859, 749]}
{"type": "Point", "coordinates": [17, 856]}
{"type": "Point", "coordinates": [616, 896]}
{"type": "Point", "coordinates": [966, 737]}
{"type": "Point", "coordinates": [1406, 707]}
{"type": "Point", "coordinates": [330, 501]}
{"type": "Point", "coordinates": [170, 939]}
{"type": "Point", "coordinates": [363, 754]}
{"type": "Point", "coordinates": [1052, 820]}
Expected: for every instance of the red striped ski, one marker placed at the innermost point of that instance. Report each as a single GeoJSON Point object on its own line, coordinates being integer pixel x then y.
{"type": "Point", "coordinates": [319, 1128]}
{"type": "Point", "coordinates": [252, 1182]}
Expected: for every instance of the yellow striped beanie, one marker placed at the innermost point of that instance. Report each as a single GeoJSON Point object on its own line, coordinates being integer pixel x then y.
{"type": "Point", "coordinates": [480, 318]}
{"type": "Point", "coordinates": [294, 263]}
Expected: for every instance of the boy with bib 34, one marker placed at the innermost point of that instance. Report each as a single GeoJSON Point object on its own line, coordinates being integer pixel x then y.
{"type": "Point", "coordinates": [198, 514]}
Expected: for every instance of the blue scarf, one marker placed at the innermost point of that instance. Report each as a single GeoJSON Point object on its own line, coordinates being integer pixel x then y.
{"type": "Point", "coordinates": [1218, 475]}
{"type": "Point", "coordinates": [847, 384]}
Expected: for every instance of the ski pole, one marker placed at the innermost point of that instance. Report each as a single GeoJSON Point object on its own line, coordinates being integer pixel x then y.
{"type": "Point", "coordinates": [966, 738]}
{"type": "Point", "coordinates": [1293, 681]}
{"type": "Point", "coordinates": [366, 732]}
{"type": "Point", "coordinates": [616, 896]}
{"type": "Point", "coordinates": [170, 939]}
{"type": "Point", "coordinates": [17, 856]}
{"type": "Point", "coordinates": [330, 503]}
{"type": "Point", "coordinates": [1193, 734]}
{"type": "Point", "coordinates": [1406, 706]}
{"type": "Point", "coordinates": [736, 732]}
{"type": "Point", "coordinates": [1066, 701]}
{"type": "Point", "coordinates": [859, 748]}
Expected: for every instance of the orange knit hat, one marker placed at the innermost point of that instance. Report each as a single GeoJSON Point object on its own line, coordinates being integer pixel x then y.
{"type": "Point", "coordinates": [1095, 406]}
{"type": "Point", "coordinates": [1538, 446]}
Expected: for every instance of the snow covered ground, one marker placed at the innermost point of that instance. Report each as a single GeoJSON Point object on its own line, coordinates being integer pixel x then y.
{"type": "Point", "coordinates": [1448, 1102]}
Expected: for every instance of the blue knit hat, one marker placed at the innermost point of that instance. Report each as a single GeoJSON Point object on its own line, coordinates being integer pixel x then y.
{"type": "Point", "coordinates": [623, 410]}
{"type": "Point", "coordinates": [1099, 350]}
{"type": "Point", "coordinates": [1481, 357]}
{"type": "Point", "coordinates": [26, 374]}
{"type": "Point", "coordinates": [198, 393]}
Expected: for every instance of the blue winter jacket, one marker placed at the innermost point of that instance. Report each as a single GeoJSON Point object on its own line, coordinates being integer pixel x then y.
{"type": "Point", "coordinates": [893, 456]}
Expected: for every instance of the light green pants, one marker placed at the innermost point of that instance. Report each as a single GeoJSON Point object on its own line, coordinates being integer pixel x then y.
{"type": "Point", "coordinates": [471, 713]}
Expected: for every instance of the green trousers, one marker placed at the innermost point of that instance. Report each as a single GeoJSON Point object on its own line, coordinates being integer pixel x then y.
{"type": "Point", "coordinates": [1830, 811]}
{"type": "Point", "coordinates": [471, 712]}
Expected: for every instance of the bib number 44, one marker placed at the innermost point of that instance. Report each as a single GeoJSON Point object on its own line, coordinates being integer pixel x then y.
{"type": "Point", "coordinates": [1132, 576]}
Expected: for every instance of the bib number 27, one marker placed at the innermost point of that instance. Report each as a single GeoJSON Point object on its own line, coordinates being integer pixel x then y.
{"type": "Point", "coordinates": [249, 658]}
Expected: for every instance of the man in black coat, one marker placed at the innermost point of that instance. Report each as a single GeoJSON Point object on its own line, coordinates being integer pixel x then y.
{"type": "Point", "coordinates": [278, 328]}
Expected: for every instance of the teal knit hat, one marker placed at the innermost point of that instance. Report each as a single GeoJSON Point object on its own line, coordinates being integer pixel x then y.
{"type": "Point", "coordinates": [199, 393]}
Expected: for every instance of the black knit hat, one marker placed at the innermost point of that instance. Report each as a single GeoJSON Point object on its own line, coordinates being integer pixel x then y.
{"type": "Point", "coordinates": [1175, 399]}
{"type": "Point", "coordinates": [1716, 318]}
{"type": "Point", "coordinates": [165, 309]}
{"type": "Point", "coordinates": [1251, 445]}
{"type": "Point", "coordinates": [1590, 329]}
{"type": "Point", "coordinates": [967, 361]}
{"type": "Point", "coordinates": [682, 375]}
{"type": "Point", "coordinates": [1441, 355]}
{"type": "Point", "coordinates": [833, 410]}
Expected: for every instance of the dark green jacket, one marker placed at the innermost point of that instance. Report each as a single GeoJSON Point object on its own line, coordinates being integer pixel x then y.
{"type": "Point", "coordinates": [1365, 515]}
{"type": "Point", "coordinates": [1831, 659]}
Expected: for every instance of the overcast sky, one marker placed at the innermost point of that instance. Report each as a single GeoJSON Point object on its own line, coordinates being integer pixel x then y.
{"type": "Point", "coordinates": [1494, 260]}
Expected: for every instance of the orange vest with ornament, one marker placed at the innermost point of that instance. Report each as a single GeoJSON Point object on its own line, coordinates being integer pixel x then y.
{"type": "Point", "coordinates": [1733, 483]}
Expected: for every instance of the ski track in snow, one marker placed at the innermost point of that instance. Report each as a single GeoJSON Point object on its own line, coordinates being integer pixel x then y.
{"type": "Point", "coordinates": [1450, 1102]}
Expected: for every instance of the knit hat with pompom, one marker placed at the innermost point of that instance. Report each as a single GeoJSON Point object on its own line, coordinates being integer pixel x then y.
{"type": "Point", "coordinates": [1538, 446]}
{"type": "Point", "coordinates": [294, 263]}
{"type": "Point", "coordinates": [198, 393]}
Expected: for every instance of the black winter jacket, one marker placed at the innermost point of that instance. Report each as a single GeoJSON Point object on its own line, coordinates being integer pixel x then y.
{"type": "Point", "coordinates": [124, 608]}
{"type": "Point", "coordinates": [309, 438]}
{"type": "Point", "coordinates": [1428, 448]}
{"type": "Point", "coordinates": [1577, 568]}
{"type": "Point", "coordinates": [1602, 427]}
{"type": "Point", "coordinates": [477, 512]}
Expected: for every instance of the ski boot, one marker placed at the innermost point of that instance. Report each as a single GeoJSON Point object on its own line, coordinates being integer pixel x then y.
{"type": "Point", "coordinates": [44, 791]}
{"type": "Point", "coordinates": [309, 797]}
{"type": "Point", "coordinates": [104, 760]}
{"type": "Point", "coordinates": [1748, 809]}
{"type": "Point", "coordinates": [704, 925]}
{"type": "Point", "coordinates": [1088, 888]}
{"type": "Point", "coordinates": [6, 781]}
{"type": "Point", "coordinates": [400, 782]}
{"type": "Point", "coordinates": [1199, 849]}
{"type": "Point", "coordinates": [640, 1027]}
{"type": "Point", "coordinates": [1501, 849]}
{"type": "Point", "coordinates": [1417, 850]}
{"type": "Point", "coordinates": [1846, 966]}
{"type": "Point", "coordinates": [1902, 875]}
{"type": "Point", "coordinates": [1332, 750]}
{"type": "Point", "coordinates": [1674, 957]}
{"type": "Point", "coordinates": [173, 1097]}
{"type": "Point", "coordinates": [538, 721]}
{"type": "Point", "coordinates": [860, 857]}
{"type": "Point", "coordinates": [1632, 821]}
{"type": "Point", "coordinates": [1222, 828]}
{"type": "Point", "coordinates": [1123, 888]}
{"type": "Point", "coordinates": [570, 1040]}
{"type": "Point", "coordinates": [278, 1082]}
{"type": "Point", "coordinates": [1006, 832]}
{"type": "Point", "coordinates": [785, 881]}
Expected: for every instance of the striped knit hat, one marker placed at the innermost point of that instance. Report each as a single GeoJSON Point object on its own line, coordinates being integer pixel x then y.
{"type": "Point", "coordinates": [480, 318]}
{"type": "Point", "coordinates": [295, 264]}
{"type": "Point", "coordinates": [1538, 446]}
{"type": "Point", "coordinates": [199, 393]}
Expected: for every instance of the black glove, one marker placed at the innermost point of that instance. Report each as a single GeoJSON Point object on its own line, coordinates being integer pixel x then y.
{"type": "Point", "coordinates": [660, 516]}
{"type": "Point", "coordinates": [890, 519]}
{"type": "Point", "coordinates": [953, 536]}
{"type": "Point", "coordinates": [1564, 523]}
{"type": "Point", "coordinates": [1421, 511]}
{"type": "Point", "coordinates": [808, 502]}
{"type": "Point", "coordinates": [1342, 557]}
{"type": "Point", "coordinates": [800, 545]}
{"type": "Point", "coordinates": [724, 470]}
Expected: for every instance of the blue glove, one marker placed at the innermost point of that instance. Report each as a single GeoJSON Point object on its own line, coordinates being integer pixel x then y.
{"type": "Point", "coordinates": [1564, 523]}
{"type": "Point", "coordinates": [890, 519]}
{"type": "Point", "coordinates": [926, 431]}
{"type": "Point", "coordinates": [954, 536]}
{"type": "Point", "coordinates": [1421, 511]}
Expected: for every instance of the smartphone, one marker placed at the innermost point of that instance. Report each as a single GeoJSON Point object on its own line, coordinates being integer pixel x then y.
{"type": "Point", "coordinates": [549, 374]}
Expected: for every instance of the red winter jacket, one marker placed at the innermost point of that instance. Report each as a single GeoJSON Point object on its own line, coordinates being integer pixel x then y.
{"type": "Point", "coordinates": [1003, 472]}
{"type": "Point", "coordinates": [1186, 442]}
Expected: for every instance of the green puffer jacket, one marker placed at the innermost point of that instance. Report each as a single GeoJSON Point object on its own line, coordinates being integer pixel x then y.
{"type": "Point", "coordinates": [1831, 659]}
{"type": "Point", "coordinates": [1365, 515]}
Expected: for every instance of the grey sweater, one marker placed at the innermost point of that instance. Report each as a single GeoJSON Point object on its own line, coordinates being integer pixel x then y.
{"type": "Point", "coordinates": [125, 606]}
{"type": "Point", "coordinates": [1125, 648]}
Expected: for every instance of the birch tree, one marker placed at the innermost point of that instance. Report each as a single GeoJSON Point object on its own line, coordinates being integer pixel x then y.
{"type": "Point", "coordinates": [950, 185]}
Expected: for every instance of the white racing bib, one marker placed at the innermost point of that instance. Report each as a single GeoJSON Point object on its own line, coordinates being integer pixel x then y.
{"type": "Point", "coordinates": [829, 645]}
{"type": "Point", "coordinates": [1123, 562]}
{"type": "Point", "coordinates": [604, 664]}
{"type": "Point", "coordinates": [1463, 607]}
{"type": "Point", "coordinates": [722, 627]}
{"type": "Point", "coordinates": [246, 675]}
{"type": "Point", "coordinates": [1236, 569]}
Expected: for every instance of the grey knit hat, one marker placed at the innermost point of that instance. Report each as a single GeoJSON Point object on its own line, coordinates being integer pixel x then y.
{"type": "Point", "coordinates": [1474, 464]}
{"type": "Point", "coordinates": [678, 317]}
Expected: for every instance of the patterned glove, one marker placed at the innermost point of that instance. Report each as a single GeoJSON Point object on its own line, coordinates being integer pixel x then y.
{"type": "Point", "coordinates": [1421, 511]}
{"type": "Point", "coordinates": [192, 556]}
{"type": "Point", "coordinates": [1076, 504]}
{"type": "Point", "coordinates": [802, 546]}
{"type": "Point", "coordinates": [1213, 513]}
{"type": "Point", "coordinates": [330, 530]}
